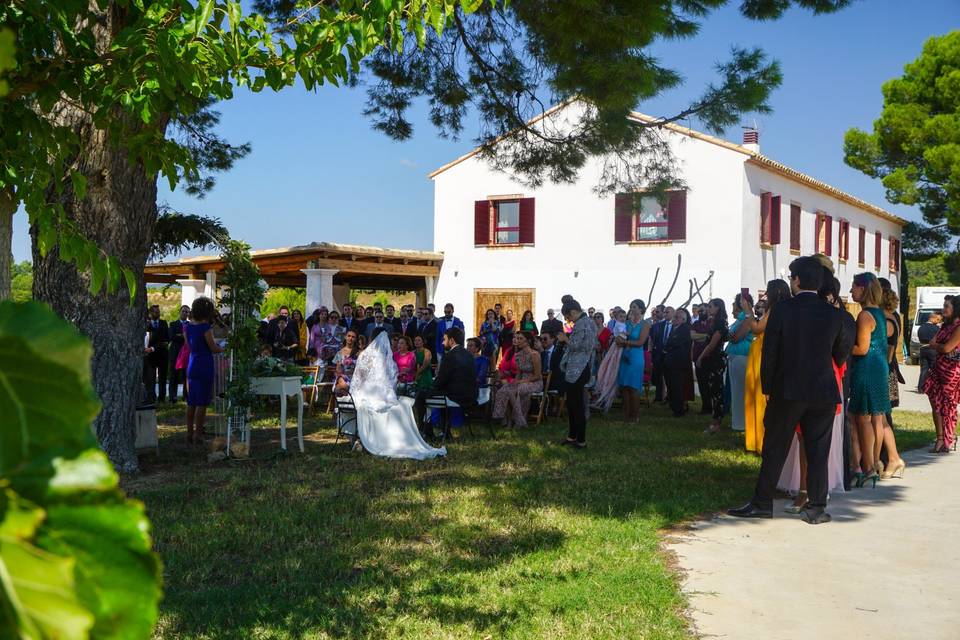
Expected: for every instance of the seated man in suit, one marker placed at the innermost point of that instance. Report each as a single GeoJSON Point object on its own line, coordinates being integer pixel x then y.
{"type": "Point", "coordinates": [456, 379]}
{"type": "Point", "coordinates": [284, 339]}
{"type": "Point", "coordinates": [550, 360]}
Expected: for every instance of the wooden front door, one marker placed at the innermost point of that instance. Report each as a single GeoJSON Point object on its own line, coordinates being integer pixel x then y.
{"type": "Point", "coordinates": [517, 299]}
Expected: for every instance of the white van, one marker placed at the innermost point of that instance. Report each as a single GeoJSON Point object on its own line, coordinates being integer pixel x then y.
{"type": "Point", "coordinates": [929, 300]}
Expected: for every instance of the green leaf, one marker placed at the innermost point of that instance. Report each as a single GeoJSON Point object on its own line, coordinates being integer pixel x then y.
{"type": "Point", "coordinates": [47, 335]}
{"type": "Point", "coordinates": [204, 9]}
{"type": "Point", "coordinates": [79, 184]}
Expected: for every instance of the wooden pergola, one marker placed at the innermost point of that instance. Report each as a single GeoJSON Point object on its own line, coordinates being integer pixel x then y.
{"type": "Point", "coordinates": [319, 267]}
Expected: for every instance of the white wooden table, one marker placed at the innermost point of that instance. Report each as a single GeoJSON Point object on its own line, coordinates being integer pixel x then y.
{"type": "Point", "coordinates": [283, 387]}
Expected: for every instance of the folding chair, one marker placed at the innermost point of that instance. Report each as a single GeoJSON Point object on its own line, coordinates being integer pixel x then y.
{"type": "Point", "coordinates": [309, 386]}
{"type": "Point", "coordinates": [542, 398]}
{"type": "Point", "coordinates": [444, 404]}
{"type": "Point", "coordinates": [345, 414]}
{"type": "Point", "coordinates": [327, 384]}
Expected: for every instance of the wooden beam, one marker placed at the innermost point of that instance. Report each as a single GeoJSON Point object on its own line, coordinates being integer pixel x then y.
{"type": "Point", "coordinates": [373, 268]}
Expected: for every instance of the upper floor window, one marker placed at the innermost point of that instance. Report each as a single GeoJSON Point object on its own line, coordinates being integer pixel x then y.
{"type": "Point", "coordinates": [769, 219]}
{"type": "Point", "coordinates": [504, 222]}
{"type": "Point", "coordinates": [795, 228]}
{"type": "Point", "coordinates": [640, 218]}
{"type": "Point", "coordinates": [824, 229]}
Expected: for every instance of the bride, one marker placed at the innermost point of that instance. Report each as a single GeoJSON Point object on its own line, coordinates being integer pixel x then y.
{"type": "Point", "coordinates": [385, 423]}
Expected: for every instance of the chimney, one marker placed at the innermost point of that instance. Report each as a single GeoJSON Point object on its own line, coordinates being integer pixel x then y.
{"type": "Point", "coordinates": [751, 139]}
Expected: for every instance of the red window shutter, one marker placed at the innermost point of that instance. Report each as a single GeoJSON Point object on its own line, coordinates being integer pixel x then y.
{"type": "Point", "coordinates": [816, 228]}
{"type": "Point", "coordinates": [862, 247]}
{"type": "Point", "coordinates": [877, 248]}
{"type": "Point", "coordinates": [481, 223]}
{"type": "Point", "coordinates": [677, 216]}
{"type": "Point", "coordinates": [527, 221]}
{"type": "Point", "coordinates": [623, 217]}
{"type": "Point", "coordinates": [828, 235]}
{"type": "Point", "coordinates": [765, 199]}
{"type": "Point", "coordinates": [795, 227]}
{"type": "Point", "coordinates": [775, 220]}
{"type": "Point", "coordinates": [844, 249]}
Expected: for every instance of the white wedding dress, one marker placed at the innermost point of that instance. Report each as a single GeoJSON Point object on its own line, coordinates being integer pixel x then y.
{"type": "Point", "coordinates": [385, 423]}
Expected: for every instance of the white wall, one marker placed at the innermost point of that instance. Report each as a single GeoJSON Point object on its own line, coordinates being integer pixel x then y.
{"type": "Point", "coordinates": [761, 265]}
{"type": "Point", "coordinates": [575, 233]}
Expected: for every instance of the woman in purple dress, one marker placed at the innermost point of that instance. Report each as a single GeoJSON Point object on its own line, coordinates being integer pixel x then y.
{"type": "Point", "coordinates": [199, 336]}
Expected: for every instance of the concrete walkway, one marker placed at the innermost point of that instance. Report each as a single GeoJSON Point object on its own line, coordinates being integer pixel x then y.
{"type": "Point", "coordinates": [885, 568]}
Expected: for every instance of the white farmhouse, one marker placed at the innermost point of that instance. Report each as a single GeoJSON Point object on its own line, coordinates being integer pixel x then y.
{"type": "Point", "coordinates": [743, 218]}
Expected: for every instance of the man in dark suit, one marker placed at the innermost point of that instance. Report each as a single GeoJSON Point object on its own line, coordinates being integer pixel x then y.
{"type": "Point", "coordinates": [805, 337]}
{"type": "Point", "coordinates": [456, 378]}
{"type": "Point", "coordinates": [156, 361]}
{"type": "Point", "coordinates": [379, 322]}
{"type": "Point", "coordinates": [550, 359]}
{"type": "Point", "coordinates": [659, 334]}
{"type": "Point", "coordinates": [283, 339]}
{"type": "Point", "coordinates": [346, 318]}
{"type": "Point", "coordinates": [429, 331]}
{"type": "Point", "coordinates": [407, 324]}
{"type": "Point", "coordinates": [177, 338]}
{"type": "Point", "coordinates": [390, 318]}
{"type": "Point", "coordinates": [551, 324]}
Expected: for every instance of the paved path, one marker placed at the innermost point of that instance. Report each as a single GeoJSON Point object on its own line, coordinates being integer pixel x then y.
{"type": "Point", "coordinates": [910, 400]}
{"type": "Point", "coordinates": [885, 568]}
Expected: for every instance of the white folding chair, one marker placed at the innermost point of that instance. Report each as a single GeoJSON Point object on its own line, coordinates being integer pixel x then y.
{"type": "Point", "coordinates": [345, 414]}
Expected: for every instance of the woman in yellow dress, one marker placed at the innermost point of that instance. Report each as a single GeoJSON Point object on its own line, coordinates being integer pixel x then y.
{"type": "Point", "coordinates": [755, 403]}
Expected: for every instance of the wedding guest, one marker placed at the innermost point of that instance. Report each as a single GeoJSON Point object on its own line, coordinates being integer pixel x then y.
{"type": "Point", "coordinates": [755, 402]}
{"type": "Point", "coordinates": [550, 357]}
{"type": "Point", "coordinates": [527, 323]}
{"type": "Point", "coordinates": [507, 367]}
{"type": "Point", "coordinates": [177, 340]}
{"type": "Point", "coordinates": [347, 320]}
{"type": "Point", "coordinates": [870, 392]}
{"type": "Point", "coordinates": [894, 463]}
{"type": "Point", "coordinates": [368, 317]}
{"type": "Point", "coordinates": [429, 331]}
{"type": "Point", "coordinates": [199, 337]}
{"type": "Point", "coordinates": [346, 362]}
{"type": "Point", "coordinates": [490, 334]}
{"type": "Point", "coordinates": [448, 321]}
{"type": "Point", "coordinates": [313, 318]}
{"type": "Point", "coordinates": [700, 333]}
{"type": "Point", "coordinates": [737, 350]}
{"type": "Point", "coordinates": [378, 325]}
{"type": "Point", "coordinates": [508, 324]}
{"type": "Point", "coordinates": [315, 339]}
{"type": "Point", "coordinates": [389, 316]}
{"type": "Point", "coordinates": [424, 358]}
{"type": "Point", "coordinates": [480, 361]}
{"type": "Point", "coordinates": [604, 335]}
{"type": "Point", "coordinates": [361, 342]}
{"type": "Point", "coordinates": [551, 324]}
{"type": "Point", "coordinates": [632, 361]}
{"type": "Point", "coordinates": [677, 370]}
{"type": "Point", "coordinates": [576, 365]}
{"type": "Point", "coordinates": [925, 334]}
{"type": "Point", "coordinates": [283, 339]}
{"type": "Point", "coordinates": [712, 360]}
{"type": "Point", "coordinates": [297, 321]}
{"type": "Point", "coordinates": [804, 341]}
{"type": "Point", "coordinates": [456, 377]}
{"type": "Point", "coordinates": [158, 356]}
{"type": "Point", "coordinates": [498, 309]}
{"type": "Point", "coordinates": [407, 323]}
{"type": "Point", "coordinates": [512, 401]}
{"type": "Point", "coordinates": [659, 333]}
{"type": "Point", "coordinates": [942, 384]}
{"type": "Point", "coordinates": [406, 361]}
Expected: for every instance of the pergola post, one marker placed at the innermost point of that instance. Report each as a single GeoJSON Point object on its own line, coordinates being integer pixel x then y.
{"type": "Point", "coordinates": [190, 290]}
{"type": "Point", "coordinates": [210, 286]}
{"type": "Point", "coordinates": [319, 289]}
{"type": "Point", "coordinates": [431, 285]}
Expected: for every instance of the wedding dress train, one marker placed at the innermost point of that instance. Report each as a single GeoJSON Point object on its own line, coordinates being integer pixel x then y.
{"type": "Point", "coordinates": [385, 423]}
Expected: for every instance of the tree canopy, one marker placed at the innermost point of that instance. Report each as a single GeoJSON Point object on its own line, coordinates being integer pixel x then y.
{"type": "Point", "coordinates": [915, 144]}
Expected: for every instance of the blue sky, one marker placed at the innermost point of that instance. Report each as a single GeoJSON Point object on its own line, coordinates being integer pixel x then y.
{"type": "Point", "coordinates": [319, 172]}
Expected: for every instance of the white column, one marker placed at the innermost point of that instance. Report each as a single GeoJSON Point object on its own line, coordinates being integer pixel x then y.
{"type": "Point", "coordinates": [210, 286]}
{"type": "Point", "coordinates": [190, 290]}
{"type": "Point", "coordinates": [319, 289]}
{"type": "Point", "coordinates": [431, 285]}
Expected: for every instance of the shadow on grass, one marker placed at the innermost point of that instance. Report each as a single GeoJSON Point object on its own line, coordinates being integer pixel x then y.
{"type": "Point", "coordinates": [505, 537]}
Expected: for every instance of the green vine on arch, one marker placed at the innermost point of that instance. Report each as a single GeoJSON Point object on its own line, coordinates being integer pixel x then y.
{"type": "Point", "coordinates": [244, 298]}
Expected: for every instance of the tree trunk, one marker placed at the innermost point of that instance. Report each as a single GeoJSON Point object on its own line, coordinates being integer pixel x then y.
{"type": "Point", "coordinates": [118, 214]}
{"type": "Point", "coordinates": [8, 207]}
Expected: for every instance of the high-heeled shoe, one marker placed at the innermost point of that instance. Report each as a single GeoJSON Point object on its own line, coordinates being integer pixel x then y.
{"type": "Point", "coordinates": [938, 445]}
{"type": "Point", "coordinates": [896, 471]}
{"type": "Point", "coordinates": [870, 478]}
{"type": "Point", "coordinates": [878, 467]}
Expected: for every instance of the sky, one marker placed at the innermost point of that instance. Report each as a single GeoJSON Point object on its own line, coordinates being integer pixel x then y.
{"type": "Point", "coordinates": [319, 172]}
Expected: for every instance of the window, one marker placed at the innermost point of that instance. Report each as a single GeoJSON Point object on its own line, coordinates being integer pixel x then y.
{"type": "Point", "coordinates": [639, 218]}
{"type": "Point", "coordinates": [507, 222]}
{"type": "Point", "coordinates": [843, 242]}
{"type": "Point", "coordinates": [877, 248]}
{"type": "Point", "coordinates": [503, 222]}
{"type": "Point", "coordinates": [795, 228]}
{"type": "Point", "coordinates": [894, 255]}
{"type": "Point", "coordinates": [824, 229]}
{"type": "Point", "coordinates": [769, 219]}
{"type": "Point", "coordinates": [862, 247]}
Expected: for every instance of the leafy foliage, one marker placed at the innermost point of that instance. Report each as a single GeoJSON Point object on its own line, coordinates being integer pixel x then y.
{"type": "Point", "coordinates": [21, 282]}
{"type": "Point", "coordinates": [277, 297]}
{"type": "Point", "coordinates": [244, 297]}
{"type": "Point", "coordinates": [502, 60]}
{"type": "Point", "coordinates": [915, 144]}
{"type": "Point", "coordinates": [934, 271]}
{"type": "Point", "coordinates": [75, 555]}
{"type": "Point", "coordinates": [138, 67]}
{"type": "Point", "coordinates": [176, 232]}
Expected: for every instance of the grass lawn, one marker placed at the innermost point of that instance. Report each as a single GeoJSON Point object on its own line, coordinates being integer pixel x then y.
{"type": "Point", "coordinates": [515, 537]}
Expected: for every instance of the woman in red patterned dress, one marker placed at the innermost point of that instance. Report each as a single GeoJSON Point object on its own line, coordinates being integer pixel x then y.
{"type": "Point", "coordinates": [942, 385]}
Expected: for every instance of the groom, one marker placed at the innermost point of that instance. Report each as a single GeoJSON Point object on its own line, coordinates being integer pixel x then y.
{"type": "Point", "coordinates": [805, 336]}
{"type": "Point", "coordinates": [456, 378]}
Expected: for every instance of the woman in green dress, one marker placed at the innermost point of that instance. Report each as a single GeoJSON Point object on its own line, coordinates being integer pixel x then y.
{"type": "Point", "coordinates": [869, 391]}
{"type": "Point", "coordinates": [424, 375]}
